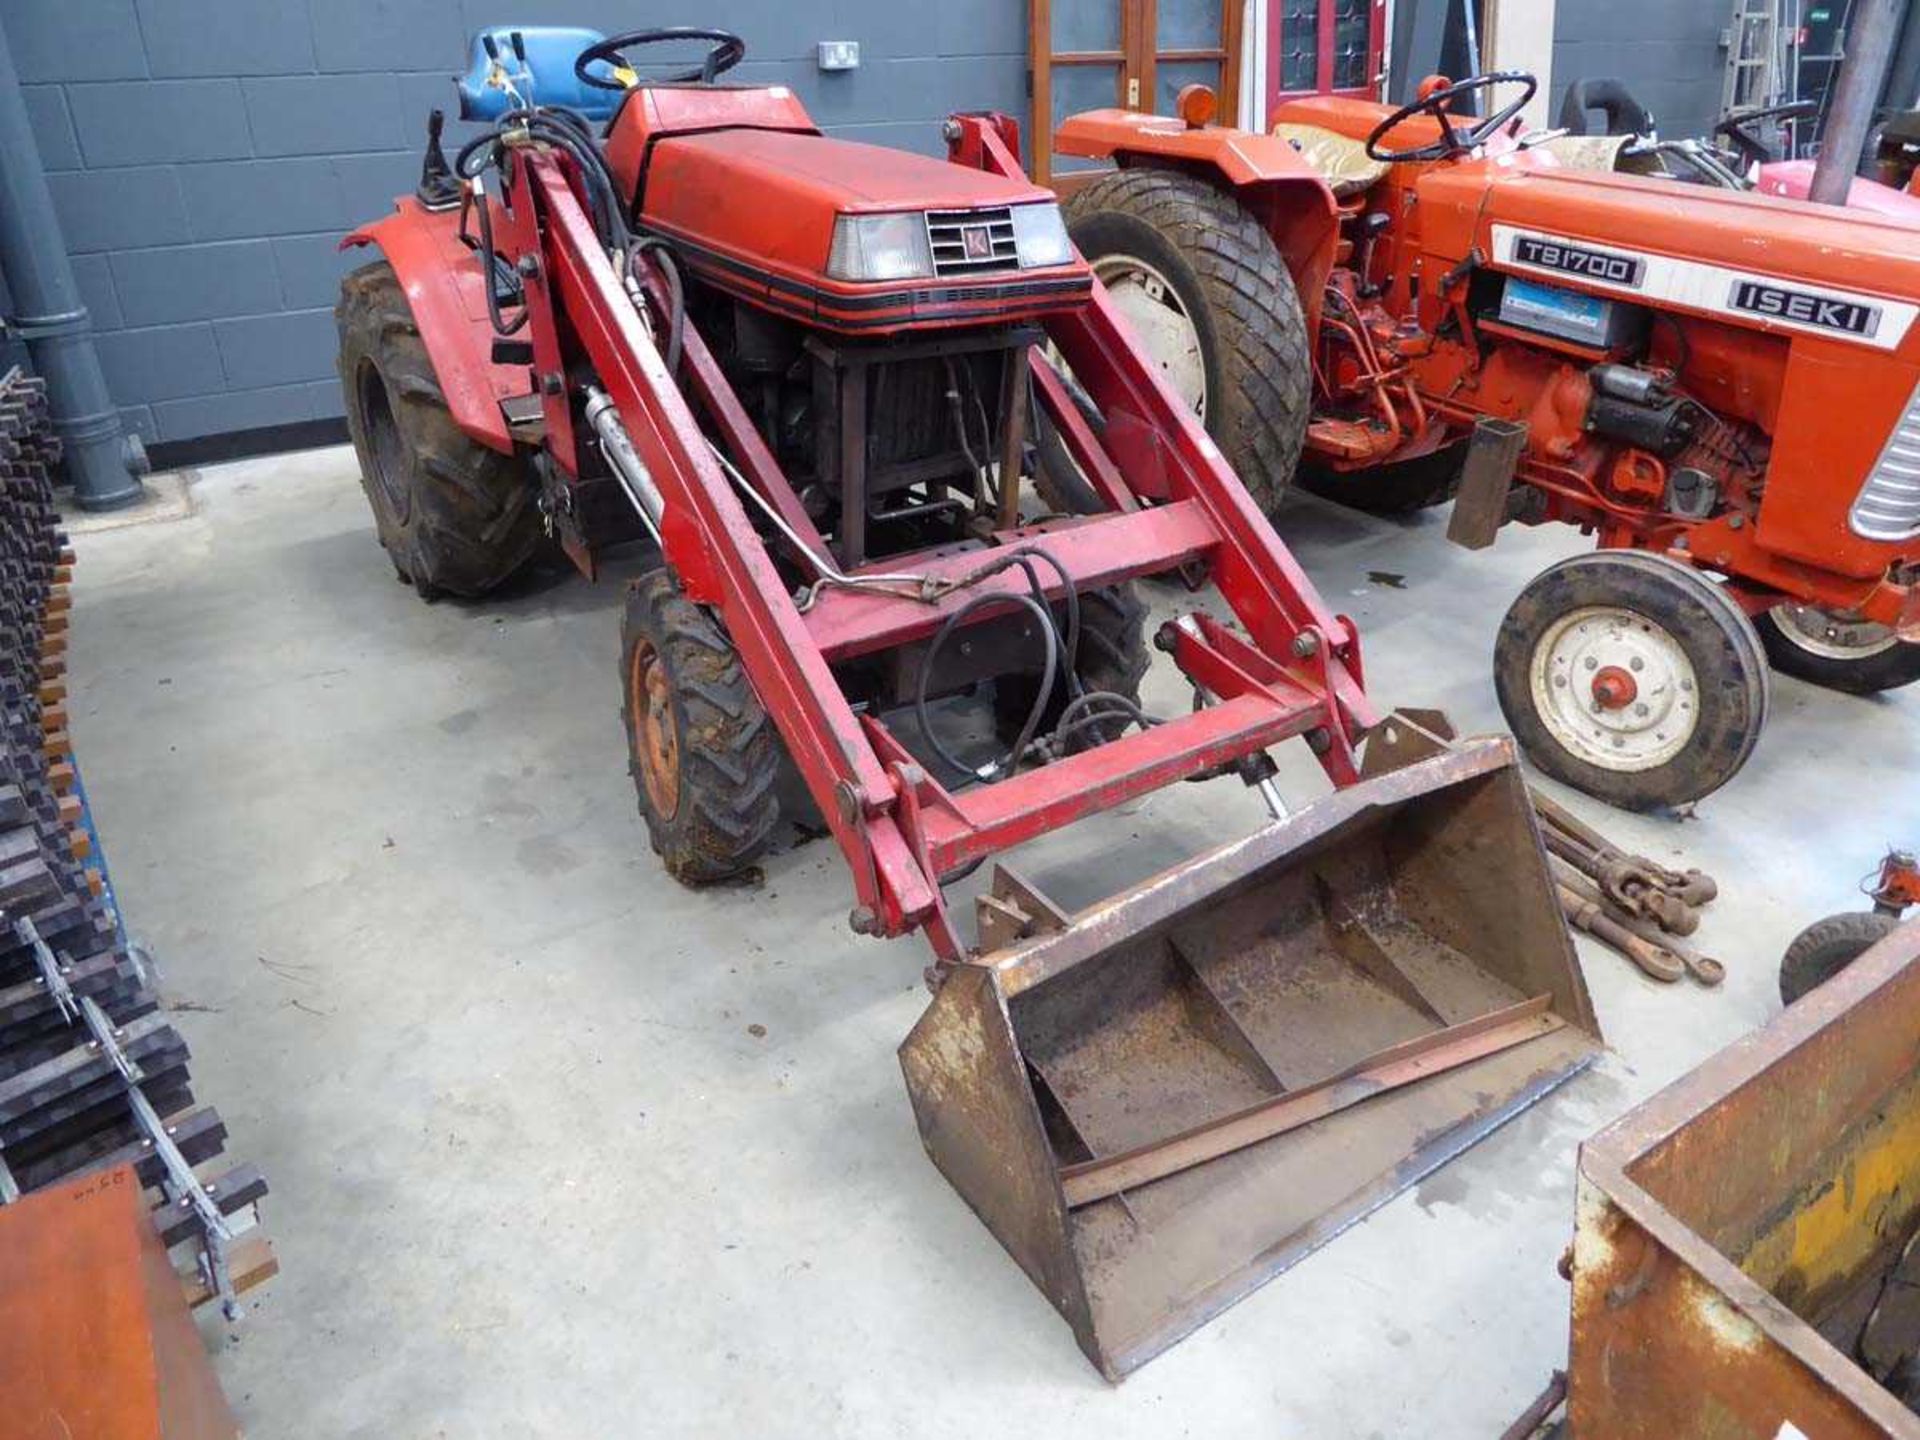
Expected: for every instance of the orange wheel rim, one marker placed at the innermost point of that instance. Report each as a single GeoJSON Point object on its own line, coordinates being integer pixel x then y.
{"type": "Point", "coordinates": [656, 734]}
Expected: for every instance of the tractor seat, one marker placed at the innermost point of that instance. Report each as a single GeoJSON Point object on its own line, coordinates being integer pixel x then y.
{"type": "Point", "coordinates": [1341, 160]}
{"type": "Point", "coordinates": [1596, 154]}
{"type": "Point", "coordinates": [537, 60]}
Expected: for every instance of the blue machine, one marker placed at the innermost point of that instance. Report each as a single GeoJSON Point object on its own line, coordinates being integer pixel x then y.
{"type": "Point", "coordinates": [536, 61]}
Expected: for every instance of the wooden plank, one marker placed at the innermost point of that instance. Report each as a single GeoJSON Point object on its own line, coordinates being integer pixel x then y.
{"type": "Point", "coordinates": [98, 1340]}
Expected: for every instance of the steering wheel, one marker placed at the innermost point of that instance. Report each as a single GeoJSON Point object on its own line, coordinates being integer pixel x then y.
{"type": "Point", "coordinates": [1752, 149]}
{"type": "Point", "coordinates": [1435, 102]}
{"type": "Point", "coordinates": [727, 51]}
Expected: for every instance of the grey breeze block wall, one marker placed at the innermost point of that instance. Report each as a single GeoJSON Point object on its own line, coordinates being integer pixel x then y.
{"type": "Point", "coordinates": [1667, 51]}
{"type": "Point", "coordinates": [205, 156]}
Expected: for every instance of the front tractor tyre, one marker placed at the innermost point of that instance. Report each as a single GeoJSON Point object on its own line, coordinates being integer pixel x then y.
{"type": "Point", "coordinates": [1212, 303]}
{"type": "Point", "coordinates": [1632, 677]}
{"type": "Point", "coordinates": [702, 751]}
{"type": "Point", "coordinates": [456, 518]}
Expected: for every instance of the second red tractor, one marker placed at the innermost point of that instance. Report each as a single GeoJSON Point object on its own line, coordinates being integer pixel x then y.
{"type": "Point", "coordinates": [1722, 387]}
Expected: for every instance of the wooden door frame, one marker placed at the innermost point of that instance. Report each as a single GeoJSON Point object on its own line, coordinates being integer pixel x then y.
{"type": "Point", "coordinates": [1135, 62]}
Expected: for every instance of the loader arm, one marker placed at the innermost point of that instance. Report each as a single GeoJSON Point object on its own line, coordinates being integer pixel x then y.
{"type": "Point", "coordinates": [900, 829]}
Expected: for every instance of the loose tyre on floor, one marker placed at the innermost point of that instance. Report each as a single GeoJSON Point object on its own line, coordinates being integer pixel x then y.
{"type": "Point", "coordinates": [456, 518]}
{"type": "Point", "coordinates": [1840, 652]}
{"type": "Point", "coordinates": [1826, 947]}
{"type": "Point", "coordinates": [703, 754]}
{"type": "Point", "coordinates": [1632, 677]}
{"type": "Point", "coordinates": [1209, 296]}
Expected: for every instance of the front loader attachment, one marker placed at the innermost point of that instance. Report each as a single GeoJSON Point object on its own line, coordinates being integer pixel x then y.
{"type": "Point", "coordinates": [1165, 1100]}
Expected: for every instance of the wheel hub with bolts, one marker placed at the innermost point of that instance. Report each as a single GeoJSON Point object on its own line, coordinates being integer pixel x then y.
{"type": "Point", "coordinates": [1615, 688]}
{"type": "Point", "coordinates": [652, 701]}
{"type": "Point", "coordinates": [1152, 307]}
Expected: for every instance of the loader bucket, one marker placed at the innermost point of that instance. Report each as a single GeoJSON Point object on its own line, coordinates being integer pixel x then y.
{"type": "Point", "coordinates": [1161, 1102]}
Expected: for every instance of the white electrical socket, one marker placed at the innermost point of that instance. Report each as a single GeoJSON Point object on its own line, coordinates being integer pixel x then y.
{"type": "Point", "coordinates": [839, 54]}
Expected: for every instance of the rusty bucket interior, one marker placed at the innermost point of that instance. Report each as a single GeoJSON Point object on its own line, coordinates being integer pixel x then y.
{"type": "Point", "coordinates": [1162, 1101]}
{"type": "Point", "coordinates": [1747, 1248]}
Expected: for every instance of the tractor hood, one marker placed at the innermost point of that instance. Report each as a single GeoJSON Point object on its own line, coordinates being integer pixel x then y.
{"type": "Point", "coordinates": [1758, 261]}
{"type": "Point", "coordinates": [858, 237]}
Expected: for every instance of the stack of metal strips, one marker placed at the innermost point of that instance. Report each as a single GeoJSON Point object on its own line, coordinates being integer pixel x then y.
{"type": "Point", "coordinates": [92, 1075]}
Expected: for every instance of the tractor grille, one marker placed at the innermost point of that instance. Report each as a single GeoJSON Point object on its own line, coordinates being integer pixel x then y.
{"type": "Point", "coordinates": [972, 242]}
{"type": "Point", "coordinates": [1888, 506]}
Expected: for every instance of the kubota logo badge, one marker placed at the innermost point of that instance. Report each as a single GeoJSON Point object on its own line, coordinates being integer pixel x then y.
{"type": "Point", "coordinates": [977, 242]}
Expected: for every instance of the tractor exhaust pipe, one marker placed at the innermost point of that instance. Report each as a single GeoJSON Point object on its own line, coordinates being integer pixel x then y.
{"type": "Point", "coordinates": [1856, 94]}
{"type": "Point", "coordinates": [103, 464]}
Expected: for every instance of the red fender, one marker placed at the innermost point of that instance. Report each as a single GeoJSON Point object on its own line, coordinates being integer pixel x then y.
{"type": "Point", "coordinates": [445, 290]}
{"type": "Point", "coordinates": [1285, 193]}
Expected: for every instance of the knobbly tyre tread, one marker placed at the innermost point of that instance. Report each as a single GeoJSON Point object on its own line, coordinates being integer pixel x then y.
{"type": "Point", "coordinates": [1113, 656]}
{"type": "Point", "coordinates": [65, 1110]}
{"type": "Point", "coordinates": [1890, 669]}
{"type": "Point", "coordinates": [1826, 947]}
{"type": "Point", "coordinates": [472, 521]}
{"type": "Point", "coordinates": [729, 750]}
{"type": "Point", "coordinates": [1238, 289]}
{"type": "Point", "coordinates": [1720, 641]}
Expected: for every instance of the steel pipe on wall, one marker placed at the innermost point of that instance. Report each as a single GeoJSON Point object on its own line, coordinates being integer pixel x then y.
{"type": "Point", "coordinates": [103, 464]}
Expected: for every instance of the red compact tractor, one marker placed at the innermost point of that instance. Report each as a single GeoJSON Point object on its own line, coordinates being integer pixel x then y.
{"type": "Point", "coordinates": [1723, 387]}
{"type": "Point", "coordinates": [815, 374]}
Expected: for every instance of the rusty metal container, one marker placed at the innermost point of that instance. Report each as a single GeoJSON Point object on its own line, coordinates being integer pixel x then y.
{"type": "Point", "coordinates": [1734, 1234]}
{"type": "Point", "coordinates": [1161, 1102]}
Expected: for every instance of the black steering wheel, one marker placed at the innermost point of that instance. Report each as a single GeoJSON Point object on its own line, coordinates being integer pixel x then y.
{"type": "Point", "coordinates": [1452, 141]}
{"type": "Point", "coordinates": [727, 51]}
{"type": "Point", "coordinates": [1752, 149]}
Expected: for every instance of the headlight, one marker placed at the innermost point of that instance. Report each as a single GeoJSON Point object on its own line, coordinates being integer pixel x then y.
{"type": "Point", "coordinates": [880, 247]}
{"type": "Point", "coordinates": [1040, 237]}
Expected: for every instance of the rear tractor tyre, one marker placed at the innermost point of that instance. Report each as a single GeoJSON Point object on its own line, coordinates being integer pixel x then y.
{"type": "Point", "coordinates": [1632, 677]}
{"type": "Point", "coordinates": [1826, 947]}
{"type": "Point", "coordinates": [1113, 657]}
{"type": "Point", "coordinates": [456, 518]}
{"type": "Point", "coordinates": [1839, 652]}
{"type": "Point", "coordinates": [1213, 304]}
{"type": "Point", "coordinates": [703, 754]}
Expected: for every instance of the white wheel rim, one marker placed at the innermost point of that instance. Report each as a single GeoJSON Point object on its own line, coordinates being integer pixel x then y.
{"type": "Point", "coordinates": [1615, 689]}
{"type": "Point", "coordinates": [1149, 303]}
{"type": "Point", "coordinates": [1832, 635]}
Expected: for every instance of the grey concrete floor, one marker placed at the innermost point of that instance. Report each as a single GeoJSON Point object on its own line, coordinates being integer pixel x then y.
{"type": "Point", "coordinates": [533, 1173]}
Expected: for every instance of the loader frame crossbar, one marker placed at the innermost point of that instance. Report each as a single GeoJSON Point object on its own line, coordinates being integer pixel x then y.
{"type": "Point", "coordinates": [1174, 504]}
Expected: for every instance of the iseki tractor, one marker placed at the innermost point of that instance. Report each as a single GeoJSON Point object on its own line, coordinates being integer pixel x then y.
{"type": "Point", "coordinates": [1418, 304]}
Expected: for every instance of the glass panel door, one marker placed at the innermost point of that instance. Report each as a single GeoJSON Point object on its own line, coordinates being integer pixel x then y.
{"type": "Point", "coordinates": [1195, 42]}
{"type": "Point", "coordinates": [1130, 54]}
{"type": "Point", "coordinates": [1081, 52]}
{"type": "Point", "coordinates": [1325, 47]}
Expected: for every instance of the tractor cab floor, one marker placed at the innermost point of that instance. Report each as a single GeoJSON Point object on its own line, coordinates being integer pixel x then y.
{"type": "Point", "coordinates": [560, 1148]}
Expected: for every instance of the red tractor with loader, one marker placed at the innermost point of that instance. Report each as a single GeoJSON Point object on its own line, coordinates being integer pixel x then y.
{"type": "Point", "coordinates": [1417, 304]}
{"type": "Point", "coordinates": [895, 450]}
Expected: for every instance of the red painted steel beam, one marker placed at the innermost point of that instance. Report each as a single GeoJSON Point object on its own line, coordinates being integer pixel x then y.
{"type": "Point", "coordinates": [722, 561]}
{"type": "Point", "coordinates": [737, 433]}
{"type": "Point", "coordinates": [1094, 551]}
{"type": "Point", "coordinates": [998, 817]}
